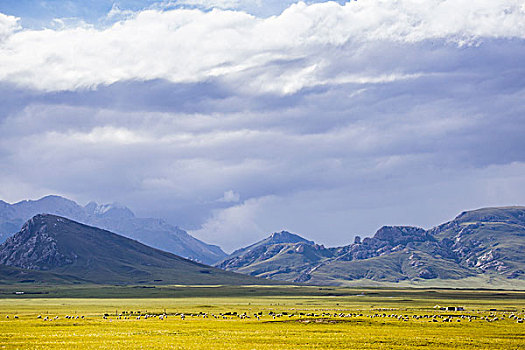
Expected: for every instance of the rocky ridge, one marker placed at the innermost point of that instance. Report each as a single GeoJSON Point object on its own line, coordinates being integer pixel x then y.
{"type": "Point", "coordinates": [484, 241]}
{"type": "Point", "coordinates": [34, 248]}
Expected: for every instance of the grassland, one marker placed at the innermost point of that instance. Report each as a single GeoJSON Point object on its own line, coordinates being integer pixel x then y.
{"type": "Point", "coordinates": [316, 322]}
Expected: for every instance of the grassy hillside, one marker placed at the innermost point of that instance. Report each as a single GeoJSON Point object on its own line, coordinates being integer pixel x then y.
{"type": "Point", "coordinates": [62, 247]}
{"type": "Point", "coordinates": [486, 241]}
{"type": "Point", "coordinates": [15, 276]}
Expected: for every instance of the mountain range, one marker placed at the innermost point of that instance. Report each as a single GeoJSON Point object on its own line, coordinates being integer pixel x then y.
{"type": "Point", "coordinates": [476, 244]}
{"type": "Point", "coordinates": [53, 249]}
{"type": "Point", "coordinates": [477, 248]}
{"type": "Point", "coordinates": [113, 217]}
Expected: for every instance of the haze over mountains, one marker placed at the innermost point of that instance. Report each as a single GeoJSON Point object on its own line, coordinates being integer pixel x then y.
{"type": "Point", "coordinates": [476, 244]}
{"type": "Point", "coordinates": [113, 217]}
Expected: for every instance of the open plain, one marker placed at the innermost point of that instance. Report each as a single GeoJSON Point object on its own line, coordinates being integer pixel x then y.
{"type": "Point", "coordinates": [252, 317]}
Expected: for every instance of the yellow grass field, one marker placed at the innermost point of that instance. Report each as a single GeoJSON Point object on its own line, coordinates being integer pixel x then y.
{"type": "Point", "coordinates": [366, 320]}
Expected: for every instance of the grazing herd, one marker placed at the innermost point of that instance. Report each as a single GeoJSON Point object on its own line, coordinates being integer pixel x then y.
{"type": "Point", "coordinates": [434, 317]}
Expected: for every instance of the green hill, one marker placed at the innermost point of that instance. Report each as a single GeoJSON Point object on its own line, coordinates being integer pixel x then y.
{"type": "Point", "coordinates": [487, 240]}
{"type": "Point", "coordinates": [14, 275]}
{"type": "Point", "coordinates": [54, 249]}
{"type": "Point", "coordinates": [485, 245]}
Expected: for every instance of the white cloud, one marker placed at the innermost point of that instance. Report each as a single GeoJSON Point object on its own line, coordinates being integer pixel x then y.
{"type": "Point", "coordinates": [8, 26]}
{"type": "Point", "coordinates": [190, 45]}
{"type": "Point", "coordinates": [230, 197]}
{"type": "Point", "coordinates": [116, 13]}
{"type": "Point", "coordinates": [235, 226]}
{"type": "Point", "coordinates": [105, 136]}
{"type": "Point", "coordinates": [220, 4]}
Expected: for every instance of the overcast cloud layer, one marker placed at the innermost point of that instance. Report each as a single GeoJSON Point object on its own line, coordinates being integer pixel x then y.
{"type": "Point", "coordinates": [328, 119]}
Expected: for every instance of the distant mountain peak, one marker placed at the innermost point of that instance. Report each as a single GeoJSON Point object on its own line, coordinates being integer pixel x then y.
{"type": "Point", "coordinates": [114, 209]}
{"type": "Point", "coordinates": [287, 237]}
{"type": "Point", "coordinates": [267, 248]}
{"type": "Point", "coordinates": [512, 214]}
{"type": "Point", "coordinates": [91, 206]}
{"type": "Point", "coordinates": [279, 254]}
{"type": "Point", "coordinates": [52, 198]}
{"type": "Point", "coordinates": [393, 233]}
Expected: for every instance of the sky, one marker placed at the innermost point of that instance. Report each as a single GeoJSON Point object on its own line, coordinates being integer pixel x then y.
{"type": "Point", "coordinates": [234, 119]}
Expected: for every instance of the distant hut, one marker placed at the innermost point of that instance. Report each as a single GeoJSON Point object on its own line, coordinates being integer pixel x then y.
{"type": "Point", "coordinates": [455, 308]}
